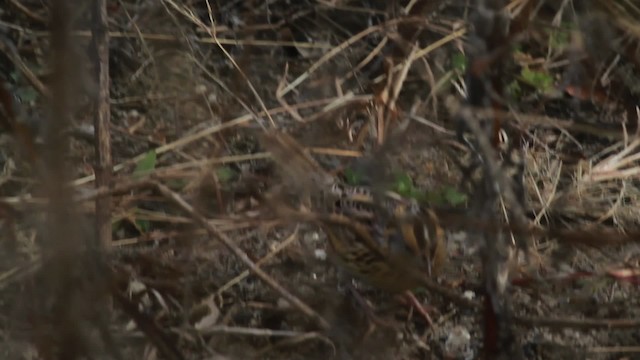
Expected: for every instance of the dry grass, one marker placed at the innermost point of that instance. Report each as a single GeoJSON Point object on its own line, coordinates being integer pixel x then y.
{"type": "Point", "coordinates": [198, 268]}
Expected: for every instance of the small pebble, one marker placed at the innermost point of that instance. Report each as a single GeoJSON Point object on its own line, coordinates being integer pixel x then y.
{"type": "Point", "coordinates": [200, 89]}
{"type": "Point", "coordinates": [320, 254]}
{"type": "Point", "coordinates": [458, 344]}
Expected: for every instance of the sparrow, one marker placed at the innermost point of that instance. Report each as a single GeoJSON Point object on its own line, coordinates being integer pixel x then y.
{"type": "Point", "coordinates": [386, 240]}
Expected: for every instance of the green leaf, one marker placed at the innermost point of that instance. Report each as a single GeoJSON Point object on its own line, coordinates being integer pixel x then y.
{"type": "Point", "coordinates": [404, 185]}
{"type": "Point", "coordinates": [225, 174]}
{"type": "Point", "coordinates": [146, 165]}
{"type": "Point", "coordinates": [514, 90]}
{"type": "Point", "coordinates": [352, 177]}
{"type": "Point", "coordinates": [542, 81]}
{"type": "Point", "coordinates": [454, 197]}
{"type": "Point", "coordinates": [143, 225]}
{"type": "Point", "coordinates": [459, 62]}
{"type": "Point", "coordinates": [446, 196]}
{"type": "Point", "coordinates": [559, 39]}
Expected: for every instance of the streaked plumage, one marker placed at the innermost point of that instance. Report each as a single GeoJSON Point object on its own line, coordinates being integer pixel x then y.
{"type": "Point", "coordinates": [383, 241]}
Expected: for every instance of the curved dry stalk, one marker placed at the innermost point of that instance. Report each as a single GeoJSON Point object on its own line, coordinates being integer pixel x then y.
{"type": "Point", "coordinates": [271, 282]}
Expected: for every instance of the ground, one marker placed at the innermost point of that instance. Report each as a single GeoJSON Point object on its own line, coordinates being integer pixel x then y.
{"type": "Point", "coordinates": [189, 100]}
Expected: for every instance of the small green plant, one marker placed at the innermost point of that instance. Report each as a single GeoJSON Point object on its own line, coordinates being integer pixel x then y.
{"type": "Point", "coordinates": [514, 90]}
{"type": "Point", "coordinates": [146, 165]}
{"type": "Point", "coordinates": [540, 80]}
{"type": "Point", "coordinates": [459, 62]}
{"type": "Point", "coordinates": [560, 36]}
{"type": "Point", "coordinates": [142, 226]}
{"type": "Point", "coordinates": [225, 174]}
{"type": "Point", "coordinates": [447, 196]}
{"type": "Point", "coordinates": [454, 197]}
{"type": "Point", "coordinates": [559, 39]}
{"type": "Point", "coordinates": [352, 177]}
{"type": "Point", "coordinates": [404, 186]}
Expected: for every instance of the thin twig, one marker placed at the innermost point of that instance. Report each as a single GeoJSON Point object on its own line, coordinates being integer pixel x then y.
{"type": "Point", "coordinates": [102, 120]}
{"type": "Point", "coordinates": [281, 246]}
{"type": "Point", "coordinates": [304, 308]}
{"type": "Point", "coordinates": [582, 324]}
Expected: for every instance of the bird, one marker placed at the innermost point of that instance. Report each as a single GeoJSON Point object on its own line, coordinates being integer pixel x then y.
{"type": "Point", "coordinates": [390, 244]}
{"type": "Point", "coordinates": [388, 241]}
